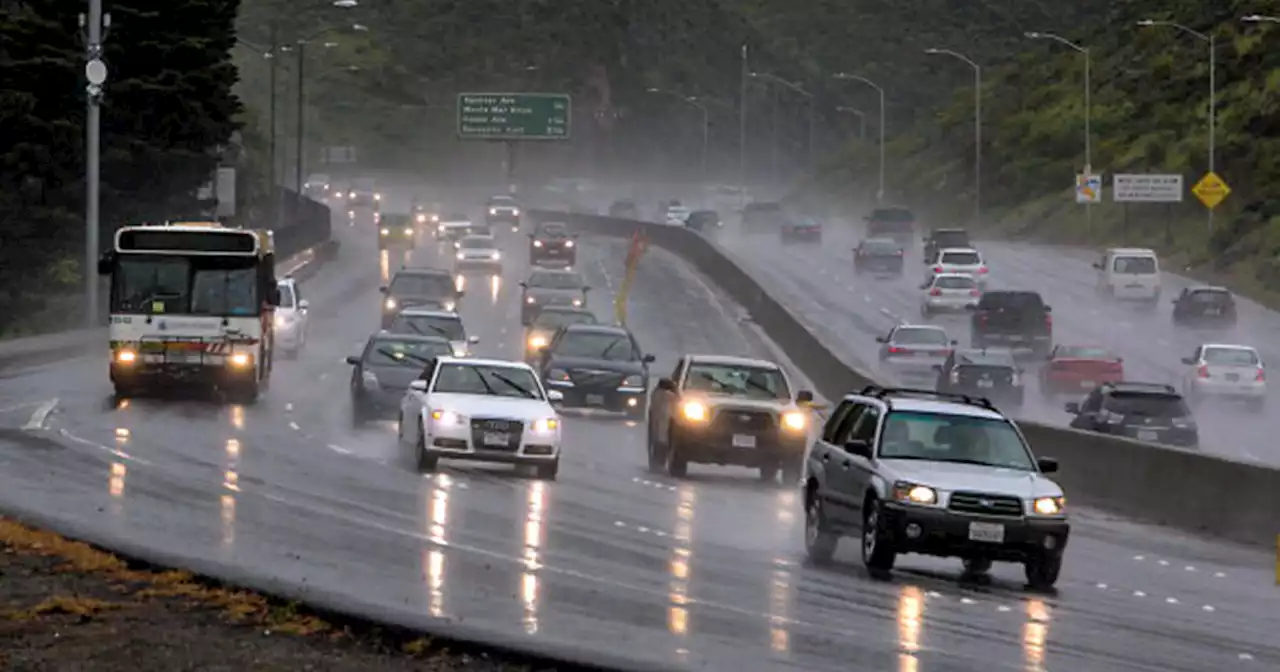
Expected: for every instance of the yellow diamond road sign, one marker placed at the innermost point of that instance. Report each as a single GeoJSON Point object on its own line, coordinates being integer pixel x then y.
{"type": "Point", "coordinates": [1211, 190]}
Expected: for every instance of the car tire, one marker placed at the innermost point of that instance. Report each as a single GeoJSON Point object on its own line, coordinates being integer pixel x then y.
{"type": "Point", "coordinates": [1042, 571]}
{"type": "Point", "coordinates": [656, 456]}
{"type": "Point", "coordinates": [426, 463]}
{"type": "Point", "coordinates": [977, 566]}
{"type": "Point", "coordinates": [878, 554]}
{"type": "Point", "coordinates": [126, 391]}
{"type": "Point", "coordinates": [819, 543]}
{"type": "Point", "coordinates": [792, 471]}
{"type": "Point", "coordinates": [769, 473]}
{"type": "Point", "coordinates": [676, 464]}
{"type": "Point", "coordinates": [547, 472]}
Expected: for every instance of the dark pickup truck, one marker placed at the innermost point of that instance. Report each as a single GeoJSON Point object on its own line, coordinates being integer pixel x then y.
{"type": "Point", "coordinates": [1012, 319]}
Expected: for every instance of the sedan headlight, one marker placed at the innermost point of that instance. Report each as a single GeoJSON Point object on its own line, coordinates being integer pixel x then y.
{"type": "Point", "coordinates": [495, 256]}
{"type": "Point", "coordinates": [568, 243]}
{"type": "Point", "coordinates": [390, 304]}
{"type": "Point", "coordinates": [386, 232]}
{"type": "Point", "coordinates": [493, 211]}
{"type": "Point", "coordinates": [794, 420]}
{"type": "Point", "coordinates": [1049, 506]}
{"type": "Point", "coordinates": [530, 300]}
{"type": "Point", "coordinates": [446, 418]}
{"type": "Point", "coordinates": [546, 426]}
{"type": "Point", "coordinates": [462, 256]}
{"type": "Point", "coordinates": [694, 410]}
{"type": "Point", "coordinates": [408, 230]}
{"type": "Point", "coordinates": [577, 303]}
{"type": "Point", "coordinates": [377, 197]}
{"type": "Point", "coordinates": [515, 212]}
{"type": "Point", "coordinates": [351, 194]}
{"type": "Point", "coordinates": [914, 493]}
{"type": "Point", "coordinates": [537, 243]}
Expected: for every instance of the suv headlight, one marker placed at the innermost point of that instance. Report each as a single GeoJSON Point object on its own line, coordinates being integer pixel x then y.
{"type": "Point", "coordinates": [634, 380]}
{"type": "Point", "coordinates": [546, 426]}
{"type": "Point", "coordinates": [694, 410]}
{"type": "Point", "coordinates": [390, 304]}
{"type": "Point", "coordinates": [385, 232]}
{"type": "Point", "coordinates": [446, 418]}
{"type": "Point", "coordinates": [1049, 506]}
{"type": "Point", "coordinates": [568, 243]}
{"type": "Point", "coordinates": [794, 421]}
{"type": "Point", "coordinates": [914, 493]}
{"type": "Point", "coordinates": [538, 341]}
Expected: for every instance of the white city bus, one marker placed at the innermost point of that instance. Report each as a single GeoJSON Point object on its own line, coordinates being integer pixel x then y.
{"type": "Point", "coordinates": [191, 303]}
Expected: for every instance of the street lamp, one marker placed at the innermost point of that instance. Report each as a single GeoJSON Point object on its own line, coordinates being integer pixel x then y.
{"type": "Point", "coordinates": [862, 119]}
{"type": "Point", "coordinates": [798, 89]}
{"type": "Point", "coordinates": [302, 43]}
{"type": "Point", "coordinates": [1088, 107]}
{"type": "Point", "coordinates": [977, 126]}
{"type": "Point", "coordinates": [883, 121]}
{"type": "Point", "coordinates": [1213, 84]}
{"type": "Point", "coordinates": [706, 121]}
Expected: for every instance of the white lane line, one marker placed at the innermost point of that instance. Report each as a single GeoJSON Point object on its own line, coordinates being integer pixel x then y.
{"type": "Point", "coordinates": [40, 415]}
{"type": "Point", "coordinates": [294, 426]}
{"type": "Point", "coordinates": [339, 449]}
{"type": "Point", "coordinates": [288, 408]}
{"type": "Point", "coordinates": [17, 407]}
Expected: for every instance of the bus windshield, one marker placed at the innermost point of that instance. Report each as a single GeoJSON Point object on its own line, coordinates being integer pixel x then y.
{"type": "Point", "coordinates": [160, 285]}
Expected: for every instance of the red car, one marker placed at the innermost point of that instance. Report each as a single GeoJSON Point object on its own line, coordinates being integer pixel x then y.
{"type": "Point", "coordinates": [1076, 369]}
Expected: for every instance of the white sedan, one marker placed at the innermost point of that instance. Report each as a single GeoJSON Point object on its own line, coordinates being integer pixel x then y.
{"type": "Point", "coordinates": [1226, 371]}
{"type": "Point", "coordinates": [482, 410]}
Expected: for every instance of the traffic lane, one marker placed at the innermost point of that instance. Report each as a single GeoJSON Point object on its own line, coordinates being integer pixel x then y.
{"type": "Point", "coordinates": [847, 312]}
{"type": "Point", "coordinates": [1081, 610]}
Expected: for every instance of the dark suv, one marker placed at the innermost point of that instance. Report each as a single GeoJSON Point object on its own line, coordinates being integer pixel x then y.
{"type": "Point", "coordinates": [762, 217]}
{"type": "Point", "coordinates": [1205, 307]}
{"type": "Point", "coordinates": [990, 374]}
{"type": "Point", "coordinates": [1144, 411]}
{"type": "Point", "coordinates": [1012, 319]}
{"type": "Point", "coordinates": [551, 244]}
{"type": "Point", "coordinates": [941, 239]}
{"type": "Point", "coordinates": [896, 223]}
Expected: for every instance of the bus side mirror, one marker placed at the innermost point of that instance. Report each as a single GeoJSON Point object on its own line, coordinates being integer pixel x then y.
{"type": "Point", "coordinates": [274, 297]}
{"type": "Point", "coordinates": [105, 262]}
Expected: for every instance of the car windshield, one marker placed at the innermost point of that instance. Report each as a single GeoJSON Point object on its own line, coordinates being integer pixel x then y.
{"type": "Point", "coordinates": [503, 201]}
{"type": "Point", "coordinates": [946, 238]}
{"type": "Point", "coordinates": [881, 247]}
{"type": "Point", "coordinates": [606, 346]}
{"type": "Point", "coordinates": [1146, 405]}
{"type": "Point", "coordinates": [1135, 265]}
{"type": "Point", "coordinates": [553, 230]}
{"type": "Point", "coordinates": [554, 319]}
{"type": "Point", "coordinates": [1012, 300]}
{"type": "Point", "coordinates": [410, 353]}
{"type": "Point", "coordinates": [429, 325]}
{"type": "Point", "coordinates": [731, 380]}
{"type": "Point", "coordinates": [1082, 352]}
{"type": "Point", "coordinates": [961, 258]}
{"type": "Point", "coordinates": [1230, 357]}
{"type": "Point", "coordinates": [1211, 296]}
{"type": "Point", "coordinates": [912, 435]}
{"type": "Point", "coordinates": [477, 243]}
{"type": "Point", "coordinates": [286, 296]}
{"type": "Point", "coordinates": [423, 285]}
{"type": "Point", "coordinates": [955, 282]}
{"type": "Point", "coordinates": [920, 337]}
{"type": "Point", "coordinates": [892, 215]}
{"type": "Point", "coordinates": [555, 281]}
{"type": "Point", "coordinates": [487, 380]}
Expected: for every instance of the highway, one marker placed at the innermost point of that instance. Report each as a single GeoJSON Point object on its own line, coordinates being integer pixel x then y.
{"type": "Point", "coordinates": [609, 563]}
{"type": "Point", "coordinates": [847, 313]}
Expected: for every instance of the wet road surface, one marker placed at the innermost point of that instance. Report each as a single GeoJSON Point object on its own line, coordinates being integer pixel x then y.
{"type": "Point", "coordinates": [608, 563]}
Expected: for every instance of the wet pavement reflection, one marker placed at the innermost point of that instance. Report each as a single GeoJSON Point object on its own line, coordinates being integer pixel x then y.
{"type": "Point", "coordinates": [532, 544]}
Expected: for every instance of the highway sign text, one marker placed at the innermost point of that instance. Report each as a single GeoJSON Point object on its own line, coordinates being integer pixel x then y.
{"type": "Point", "coordinates": [1146, 188]}
{"type": "Point", "coordinates": [513, 116]}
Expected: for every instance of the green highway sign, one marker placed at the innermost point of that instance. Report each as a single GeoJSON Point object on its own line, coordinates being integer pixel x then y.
{"type": "Point", "coordinates": [513, 116]}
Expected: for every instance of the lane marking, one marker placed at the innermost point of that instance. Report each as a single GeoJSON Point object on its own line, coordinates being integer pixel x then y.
{"type": "Point", "coordinates": [16, 407]}
{"type": "Point", "coordinates": [294, 426]}
{"type": "Point", "coordinates": [339, 449]}
{"type": "Point", "coordinates": [40, 415]}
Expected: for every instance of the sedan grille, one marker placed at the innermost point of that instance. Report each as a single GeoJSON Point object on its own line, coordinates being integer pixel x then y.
{"type": "Point", "coordinates": [991, 505]}
{"type": "Point", "coordinates": [496, 434]}
{"type": "Point", "coordinates": [999, 376]}
{"type": "Point", "coordinates": [595, 378]}
{"type": "Point", "coordinates": [731, 420]}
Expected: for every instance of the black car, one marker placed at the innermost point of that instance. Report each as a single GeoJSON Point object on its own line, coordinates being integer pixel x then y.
{"type": "Point", "coordinates": [800, 229]}
{"type": "Point", "coordinates": [396, 230]}
{"type": "Point", "coordinates": [896, 223]}
{"type": "Point", "coordinates": [762, 217]}
{"type": "Point", "coordinates": [878, 255]}
{"type": "Point", "coordinates": [537, 335]}
{"type": "Point", "coordinates": [596, 366]}
{"type": "Point", "coordinates": [546, 287]}
{"type": "Point", "coordinates": [1144, 411]}
{"type": "Point", "coordinates": [1205, 307]}
{"type": "Point", "coordinates": [624, 210]}
{"type": "Point", "coordinates": [703, 220]}
{"type": "Point", "coordinates": [419, 288]}
{"type": "Point", "coordinates": [382, 372]}
{"type": "Point", "coordinates": [1012, 319]}
{"type": "Point", "coordinates": [551, 244]}
{"type": "Point", "coordinates": [941, 239]}
{"type": "Point", "coordinates": [989, 374]}
{"type": "Point", "coordinates": [502, 210]}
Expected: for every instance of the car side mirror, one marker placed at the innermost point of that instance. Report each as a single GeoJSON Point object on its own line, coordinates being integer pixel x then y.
{"type": "Point", "coordinates": [937, 367]}
{"type": "Point", "coordinates": [1072, 407]}
{"type": "Point", "coordinates": [353, 360]}
{"type": "Point", "coordinates": [1048, 309]}
{"type": "Point", "coordinates": [1048, 465]}
{"type": "Point", "coordinates": [804, 397]}
{"type": "Point", "coordinates": [666, 385]}
{"type": "Point", "coordinates": [555, 396]}
{"type": "Point", "coordinates": [524, 285]}
{"type": "Point", "coordinates": [648, 359]}
{"type": "Point", "coordinates": [955, 343]}
{"type": "Point", "coordinates": [473, 339]}
{"type": "Point", "coordinates": [1097, 265]}
{"type": "Point", "coordinates": [1188, 360]}
{"type": "Point", "coordinates": [304, 304]}
{"type": "Point", "coordinates": [858, 447]}
{"type": "Point", "coordinates": [880, 339]}
{"type": "Point", "coordinates": [383, 289]}
{"type": "Point", "coordinates": [418, 385]}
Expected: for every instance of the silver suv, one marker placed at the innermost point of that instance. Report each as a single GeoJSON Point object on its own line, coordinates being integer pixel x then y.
{"type": "Point", "coordinates": [916, 471]}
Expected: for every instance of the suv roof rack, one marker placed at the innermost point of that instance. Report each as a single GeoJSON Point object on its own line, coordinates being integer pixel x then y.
{"type": "Point", "coordinates": [884, 392]}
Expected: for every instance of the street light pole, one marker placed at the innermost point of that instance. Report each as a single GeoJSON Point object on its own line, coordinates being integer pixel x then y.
{"type": "Point", "coordinates": [96, 75]}
{"type": "Point", "coordinates": [273, 185]}
{"type": "Point", "coordinates": [742, 125]}
{"type": "Point", "coordinates": [977, 127]}
{"type": "Point", "coordinates": [1088, 109]}
{"type": "Point", "coordinates": [883, 122]}
{"type": "Point", "coordinates": [1213, 83]}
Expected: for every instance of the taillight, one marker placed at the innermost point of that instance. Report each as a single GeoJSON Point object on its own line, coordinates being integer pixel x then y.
{"type": "Point", "coordinates": [1203, 371]}
{"type": "Point", "coordinates": [1117, 367]}
{"type": "Point", "coordinates": [1048, 320]}
{"type": "Point", "coordinates": [982, 269]}
{"type": "Point", "coordinates": [1261, 377]}
{"type": "Point", "coordinates": [894, 350]}
{"type": "Point", "coordinates": [935, 292]}
{"type": "Point", "coordinates": [937, 269]}
{"type": "Point", "coordinates": [974, 292]}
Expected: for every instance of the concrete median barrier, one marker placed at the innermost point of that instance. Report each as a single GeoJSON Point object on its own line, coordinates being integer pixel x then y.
{"type": "Point", "coordinates": [1236, 500]}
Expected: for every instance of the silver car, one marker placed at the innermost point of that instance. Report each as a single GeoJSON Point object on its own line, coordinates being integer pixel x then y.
{"type": "Point", "coordinates": [949, 293]}
{"type": "Point", "coordinates": [1227, 372]}
{"type": "Point", "coordinates": [478, 253]}
{"type": "Point", "coordinates": [911, 351]}
{"type": "Point", "coordinates": [964, 260]}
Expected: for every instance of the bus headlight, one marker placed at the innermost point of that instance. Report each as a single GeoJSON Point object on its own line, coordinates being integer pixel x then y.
{"type": "Point", "coordinates": [126, 356]}
{"type": "Point", "coordinates": [240, 360]}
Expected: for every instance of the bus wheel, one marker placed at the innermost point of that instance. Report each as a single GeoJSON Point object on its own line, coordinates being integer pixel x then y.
{"type": "Point", "coordinates": [244, 393]}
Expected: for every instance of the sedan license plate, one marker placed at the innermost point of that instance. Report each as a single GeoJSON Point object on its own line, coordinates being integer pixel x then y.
{"type": "Point", "coordinates": [500, 439]}
{"type": "Point", "coordinates": [988, 532]}
{"type": "Point", "coordinates": [1213, 311]}
{"type": "Point", "coordinates": [1146, 435]}
{"type": "Point", "coordinates": [595, 400]}
{"type": "Point", "coordinates": [744, 441]}
{"type": "Point", "coordinates": [1087, 384]}
{"type": "Point", "coordinates": [986, 383]}
{"type": "Point", "coordinates": [1233, 377]}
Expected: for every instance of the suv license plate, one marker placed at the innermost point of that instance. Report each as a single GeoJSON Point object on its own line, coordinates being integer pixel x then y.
{"type": "Point", "coordinates": [1145, 435]}
{"type": "Point", "coordinates": [744, 441]}
{"type": "Point", "coordinates": [986, 383]}
{"type": "Point", "coordinates": [1088, 384]}
{"type": "Point", "coordinates": [595, 400]}
{"type": "Point", "coordinates": [1233, 377]}
{"type": "Point", "coordinates": [988, 532]}
{"type": "Point", "coordinates": [500, 439]}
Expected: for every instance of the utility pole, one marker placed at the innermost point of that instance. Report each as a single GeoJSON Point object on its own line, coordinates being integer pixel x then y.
{"type": "Point", "coordinates": [96, 75]}
{"type": "Point", "coordinates": [273, 185]}
{"type": "Point", "coordinates": [302, 61]}
{"type": "Point", "coordinates": [742, 125]}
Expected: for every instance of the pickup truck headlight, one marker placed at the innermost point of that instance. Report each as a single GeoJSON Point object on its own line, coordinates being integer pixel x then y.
{"type": "Point", "coordinates": [1049, 506]}
{"type": "Point", "coordinates": [695, 411]}
{"type": "Point", "coordinates": [794, 420]}
{"type": "Point", "coordinates": [914, 493]}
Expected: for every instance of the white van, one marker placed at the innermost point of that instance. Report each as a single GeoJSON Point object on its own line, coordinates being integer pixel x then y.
{"type": "Point", "coordinates": [1129, 274]}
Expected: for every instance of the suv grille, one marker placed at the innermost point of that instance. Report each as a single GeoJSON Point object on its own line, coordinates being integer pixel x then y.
{"type": "Point", "coordinates": [484, 428]}
{"type": "Point", "coordinates": [731, 420]}
{"type": "Point", "coordinates": [991, 505]}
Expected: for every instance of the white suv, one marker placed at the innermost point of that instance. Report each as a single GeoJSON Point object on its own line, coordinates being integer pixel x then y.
{"type": "Point", "coordinates": [914, 471]}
